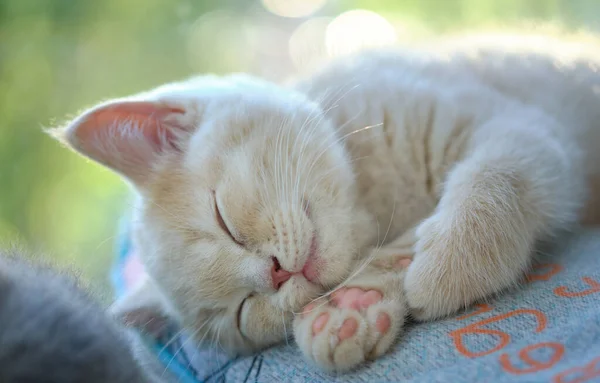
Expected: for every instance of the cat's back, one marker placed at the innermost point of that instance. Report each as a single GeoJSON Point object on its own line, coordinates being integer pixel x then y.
{"type": "Point", "coordinates": [455, 82]}
{"type": "Point", "coordinates": [558, 74]}
{"type": "Point", "coordinates": [476, 74]}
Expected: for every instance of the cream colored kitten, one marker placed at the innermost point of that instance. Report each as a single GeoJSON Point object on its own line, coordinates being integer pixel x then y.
{"type": "Point", "coordinates": [255, 199]}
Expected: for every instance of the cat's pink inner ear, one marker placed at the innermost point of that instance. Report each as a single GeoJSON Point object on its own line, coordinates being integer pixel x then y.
{"type": "Point", "coordinates": [143, 307]}
{"type": "Point", "coordinates": [127, 135]}
{"type": "Point", "coordinates": [147, 118]}
{"type": "Point", "coordinates": [146, 319]}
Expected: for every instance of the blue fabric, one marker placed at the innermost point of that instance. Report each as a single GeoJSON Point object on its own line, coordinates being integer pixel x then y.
{"type": "Point", "coordinates": [123, 250]}
{"type": "Point", "coordinates": [548, 330]}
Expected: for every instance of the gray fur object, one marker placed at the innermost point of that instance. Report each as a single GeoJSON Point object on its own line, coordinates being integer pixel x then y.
{"type": "Point", "coordinates": [52, 330]}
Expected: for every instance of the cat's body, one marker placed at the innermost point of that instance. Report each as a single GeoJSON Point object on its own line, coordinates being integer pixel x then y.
{"type": "Point", "coordinates": [425, 108]}
{"type": "Point", "coordinates": [255, 199]}
{"type": "Point", "coordinates": [52, 331]}
{"type": "Point", "coordinates": [506, 138]}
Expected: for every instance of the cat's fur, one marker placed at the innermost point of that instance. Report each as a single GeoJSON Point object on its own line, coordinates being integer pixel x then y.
{"type": "Point", "coordinates": [473, 156]}
{"type": "Point", "coordinates": [51, 330]}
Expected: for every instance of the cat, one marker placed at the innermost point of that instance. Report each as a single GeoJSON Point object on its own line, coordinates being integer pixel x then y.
{"type": "Point", "coordinates": [52, 330]}
{"type": "Point", "coordinates": [389, 182]}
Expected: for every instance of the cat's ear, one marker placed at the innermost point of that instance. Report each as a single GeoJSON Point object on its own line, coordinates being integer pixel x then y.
{"type": "Point", "coordinates": [128, 135]}
{"type": "Point", "coordinates": [144, 308]}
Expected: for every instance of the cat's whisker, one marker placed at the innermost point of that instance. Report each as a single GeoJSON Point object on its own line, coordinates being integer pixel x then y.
{"type": "Point", "coordinates": [171, 340]}
{"type": "Point", "coordinates": [216, 343]}
{"type": "Point", "coordinates": [283, 164]}
{"type": "Point", "coordinates": [311, 116]}
{"type": "Point", "coordinates": [104, 241]}
{"type": "Point", "coordinates": [285, 328]}
{"type": "Point", "coordinates": [316, 159]}
{"type": "Point", "coordinates": [190, 337]}
{"type": "Point", "coordinates": [200, 342]}
{"type": "Point", "coordinates": [218, 335]}
{"type": "Point", "coordinates": [180, 349]}
{"type": "Point", "coordinates": [310, 134]}
{"type": "Point", "coordinates": [316, 183]}
{"type": "Point", "coordinates": [191, 358]}
{"type": "Point", "coordinates": [320, 101]}
{"type": "Point", "coordinates": [342, 138]}
{"type": "Point", "coordinates": [322, 116]}
{"type": "Point", "coordinates": [367, 261]}
{"type": "Point", "coordinates": [300, 164]}
{"type": "Point", "coordinates": [278, 178]}
{"type": "Point", "coordinates": [291, 178]}
{"type": "Point", "coordinates": [338, 140]}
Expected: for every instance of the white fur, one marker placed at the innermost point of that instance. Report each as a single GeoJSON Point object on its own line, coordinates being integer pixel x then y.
{"type": "Point", "coordinates": [473, 154]}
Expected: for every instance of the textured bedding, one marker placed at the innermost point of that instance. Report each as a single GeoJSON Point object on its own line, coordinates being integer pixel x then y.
{"type": "Point", "coordinates": [546, 331]}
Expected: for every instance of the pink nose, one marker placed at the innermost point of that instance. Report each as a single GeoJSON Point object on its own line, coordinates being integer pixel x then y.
{"type": "Point", "coordinates": [279, 275]}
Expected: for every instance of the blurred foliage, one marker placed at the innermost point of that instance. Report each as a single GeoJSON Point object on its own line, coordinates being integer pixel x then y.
{"type": "Point", "coordinates": [59, 56]}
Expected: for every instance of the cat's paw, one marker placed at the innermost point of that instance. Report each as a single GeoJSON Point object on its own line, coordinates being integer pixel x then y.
{"type": "Point", "coordinates": [457, 263]}
{"type": "Point", "coordinates": [354, 325]}
{"type": "Point", "coordinates": [430, 281]}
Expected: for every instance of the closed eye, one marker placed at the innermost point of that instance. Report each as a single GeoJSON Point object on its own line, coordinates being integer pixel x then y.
{"type": "Point", "coordinates": [222, 223]}
{"type": "Point", "coordinates": [239, 313]}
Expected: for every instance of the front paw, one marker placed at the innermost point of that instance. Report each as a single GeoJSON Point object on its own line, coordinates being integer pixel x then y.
{"type": "Point", "coordinates": [354, 325]}
{"type": "Point", "coordinates": [458, 262]}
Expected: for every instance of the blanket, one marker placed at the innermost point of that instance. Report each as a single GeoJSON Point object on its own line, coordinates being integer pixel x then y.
{"type": "Point", "coordinates": [547, 330]}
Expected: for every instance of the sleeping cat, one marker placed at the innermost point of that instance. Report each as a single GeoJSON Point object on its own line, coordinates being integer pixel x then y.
{"type": "Point", "coordinates": [52, 331]}
{"type": "Point", "coordinates": [268, 210]}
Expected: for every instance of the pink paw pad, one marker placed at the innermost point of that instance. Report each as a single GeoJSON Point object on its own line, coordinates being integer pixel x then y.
{"type": "Point", "coordinates": [319, 323]}
{"type": "Point", "coordinates": [355, 298]}
{"type": "Point", "coordinates": [348, 329]}
{"type": "Point", "coordinates": [383, 323]}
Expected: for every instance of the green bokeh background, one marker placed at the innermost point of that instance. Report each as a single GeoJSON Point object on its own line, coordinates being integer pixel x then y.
{"type": "Point", "coordinates": [59, 56]}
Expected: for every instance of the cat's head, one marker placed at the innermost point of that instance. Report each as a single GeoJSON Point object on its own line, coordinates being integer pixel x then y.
{"type": "Point", "coordinates": [247, 205]}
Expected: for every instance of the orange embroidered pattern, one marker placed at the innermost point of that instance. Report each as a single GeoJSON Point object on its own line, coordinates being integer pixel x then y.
{"type": "Point", "coordinates": [549, 270]}
{"type": "Point", "coordinates": [526, 361]}
{"type": "Point", "coordinates": [558, 352]}
{"type": "Point", "coordinates": [562, 291]}
{"type": "Point", "coordinates": [579, 374]}
{"type": "Point", "coordinates": [477, 328]}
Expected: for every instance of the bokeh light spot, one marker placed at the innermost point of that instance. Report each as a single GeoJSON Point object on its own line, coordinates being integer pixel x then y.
{"type": "Point", "coordinates": [293, 8]}
{"type": "Point", "coordinates": [307, 43]}
{"type": "Point", "coordinates": [358, 29]}
{"type": "Point", "coordinates": [219, 34]}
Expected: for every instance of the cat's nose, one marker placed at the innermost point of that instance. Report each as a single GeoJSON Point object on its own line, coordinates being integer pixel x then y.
{"type": "Point", "coordinates": [279, 275]}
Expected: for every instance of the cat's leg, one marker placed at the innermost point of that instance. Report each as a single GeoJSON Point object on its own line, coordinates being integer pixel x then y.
{"type": "Point", "coordinates": [360, 320]}
{"type": "Point", "coordinates": [522, 180]}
